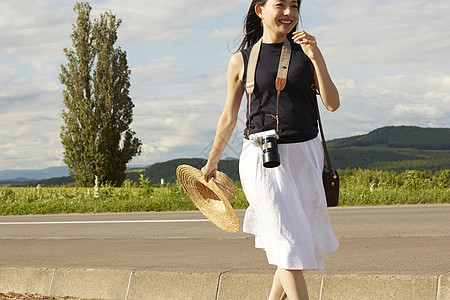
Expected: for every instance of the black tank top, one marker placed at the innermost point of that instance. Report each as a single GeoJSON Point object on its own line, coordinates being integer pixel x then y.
{"type": "Point", "coordinates": [298, 121]}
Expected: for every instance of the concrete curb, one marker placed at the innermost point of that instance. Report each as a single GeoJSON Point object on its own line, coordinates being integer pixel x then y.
{"type": "Point", "coordinates": [163, 284]}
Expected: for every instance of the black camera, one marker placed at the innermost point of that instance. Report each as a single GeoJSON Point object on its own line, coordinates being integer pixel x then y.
{"type": "Point", "coordinates": [267, 140]}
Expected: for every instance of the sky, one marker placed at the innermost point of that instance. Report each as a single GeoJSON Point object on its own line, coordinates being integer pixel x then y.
{"type": "Point", "coordinates": [388, 59]}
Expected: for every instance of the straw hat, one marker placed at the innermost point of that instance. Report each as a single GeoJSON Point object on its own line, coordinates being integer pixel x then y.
{"type": "Point", "coordinates": [212, 198]}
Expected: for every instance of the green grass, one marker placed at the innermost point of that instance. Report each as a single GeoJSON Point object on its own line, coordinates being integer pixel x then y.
{"type": "Point", "coordinates": [56, 200]}
{"type": "Point", "coordinates": [358, 187]}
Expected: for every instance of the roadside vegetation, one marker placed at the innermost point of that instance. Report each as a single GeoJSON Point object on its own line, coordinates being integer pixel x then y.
{"type": "Point", "coordinates": [369, 187]}
{"type": "Point", "coordinates": [358, 187]}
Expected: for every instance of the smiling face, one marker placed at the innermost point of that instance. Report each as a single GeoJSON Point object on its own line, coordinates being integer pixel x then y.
{"type": "Point", "coordinates": [278, 17]}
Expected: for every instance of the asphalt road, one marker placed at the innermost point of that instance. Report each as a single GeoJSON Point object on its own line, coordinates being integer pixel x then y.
{"type": "Point", "coordinates": [381, 239]}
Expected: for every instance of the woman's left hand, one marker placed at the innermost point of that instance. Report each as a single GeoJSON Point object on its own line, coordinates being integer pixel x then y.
{"type": "Point", "coordinates": [328, 91]}
{"type": "Point", "coordinates": [308, 43]}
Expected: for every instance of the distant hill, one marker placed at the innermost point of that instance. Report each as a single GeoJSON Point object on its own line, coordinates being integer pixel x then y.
{"type": "Point", "coordinates": [22, 175]}
{"type": "Point", "coordinates": [399, 137]}
{"type": "Point", "coordinates": [167, 170]}
{"type": "Point", "coordinates": [13, 181]}
{"type": "Point", "coordinates": [394, 149]}
{"type": "Point", "coordinates": [56, 181]}
{"type": "Point", "coordinates": [388, 148]}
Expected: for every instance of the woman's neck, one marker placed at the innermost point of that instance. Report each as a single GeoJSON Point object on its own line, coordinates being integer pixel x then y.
{"type": "Point", "coordinates": [270, 38]}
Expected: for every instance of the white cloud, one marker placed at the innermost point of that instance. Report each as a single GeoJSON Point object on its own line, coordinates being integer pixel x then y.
{"type": "Point", "coordinates": [388, 60]}
{"type": "Point", "coordinates": [404, 110]}
{"type": "Point", "coordinates": [398, 35]}
{"type": "Point", "coordinates": [227, 32]}
{"type": "Point", "coordinates": [165, 20]}
{"type": "Point", "coordinates": [32, 35]}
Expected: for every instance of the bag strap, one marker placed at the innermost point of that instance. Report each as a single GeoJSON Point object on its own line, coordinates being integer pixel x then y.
{"type": "Point", "coordinates": [316, 106]}
{"type": "Point", "coordinates": [280, 81]}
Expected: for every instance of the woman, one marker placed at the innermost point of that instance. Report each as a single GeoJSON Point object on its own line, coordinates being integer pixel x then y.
{"type": "Point", "coordinates": [287, 212]}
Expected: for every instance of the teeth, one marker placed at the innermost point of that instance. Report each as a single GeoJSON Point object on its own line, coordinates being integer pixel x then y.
{"type": "Point", "coordinates": [286, 22]}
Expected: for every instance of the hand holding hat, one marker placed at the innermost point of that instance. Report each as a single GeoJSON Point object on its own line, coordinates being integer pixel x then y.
{"type": "Point", "coordinates": [209, 172]}
{"type": "Point", "coordinates": [212, 197]}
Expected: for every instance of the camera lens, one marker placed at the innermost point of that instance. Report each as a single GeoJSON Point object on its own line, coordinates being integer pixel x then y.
{"type": "Point", "coordinates": [271, 158]}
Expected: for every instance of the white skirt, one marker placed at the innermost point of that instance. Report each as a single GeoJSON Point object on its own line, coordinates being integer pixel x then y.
{"type": "Point", "coordinates": [288, 211]}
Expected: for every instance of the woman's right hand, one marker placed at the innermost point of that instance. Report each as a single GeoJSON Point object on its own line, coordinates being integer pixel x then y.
{"type": "Point", "coordinates": [228, 119]}
{"type": "Point", "coordinates": [209, 171]}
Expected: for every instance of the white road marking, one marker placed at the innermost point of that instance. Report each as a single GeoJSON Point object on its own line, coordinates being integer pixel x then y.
{"type": "Point", "coordinates": [103, 222]}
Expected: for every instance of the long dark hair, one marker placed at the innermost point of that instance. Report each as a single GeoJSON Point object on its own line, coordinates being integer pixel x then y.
{"type": "Point", "coordinates": [253, 29]}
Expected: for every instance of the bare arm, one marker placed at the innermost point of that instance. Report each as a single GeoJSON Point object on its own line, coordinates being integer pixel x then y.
{"type": "Point", "coordinates": [228, 119]}
{"type": "Point", "coordinates": [327, 89]}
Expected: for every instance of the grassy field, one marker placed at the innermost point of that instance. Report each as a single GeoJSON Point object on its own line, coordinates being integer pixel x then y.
{"type": "Point", "coordinates": [358, 187]}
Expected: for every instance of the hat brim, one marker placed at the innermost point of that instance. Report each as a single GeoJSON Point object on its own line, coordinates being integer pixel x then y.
{"type": "Point", "coordinates": [212, 198]}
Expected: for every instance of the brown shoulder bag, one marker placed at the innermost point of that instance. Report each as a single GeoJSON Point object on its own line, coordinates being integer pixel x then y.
{"type": "Point", "coordinates": [329, 175]}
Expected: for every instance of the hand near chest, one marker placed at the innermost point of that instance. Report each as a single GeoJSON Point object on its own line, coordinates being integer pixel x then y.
{"type": "Point", "coordinates": [308, 44]}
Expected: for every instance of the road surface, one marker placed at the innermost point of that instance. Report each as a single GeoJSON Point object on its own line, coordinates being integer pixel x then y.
{"type": "Point", "coordinates": [388, 239]}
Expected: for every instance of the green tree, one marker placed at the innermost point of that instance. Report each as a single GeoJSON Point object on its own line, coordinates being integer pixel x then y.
{"type": "Point", "coordinates": [96, 133]}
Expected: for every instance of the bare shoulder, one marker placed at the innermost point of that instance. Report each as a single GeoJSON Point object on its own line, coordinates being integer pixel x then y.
{"type": "Point", "coordinates": [237, 59]}
{"type": "Point", "coordinates": [236, 65]}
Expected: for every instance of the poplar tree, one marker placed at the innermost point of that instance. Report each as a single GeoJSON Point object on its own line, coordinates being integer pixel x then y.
{"type": "Point", "coordinates": [96, 133]}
